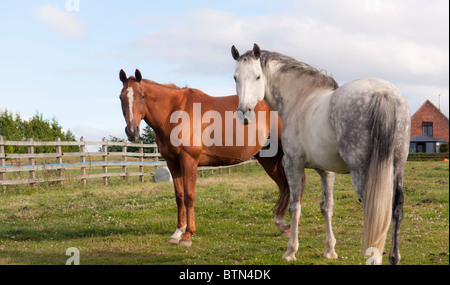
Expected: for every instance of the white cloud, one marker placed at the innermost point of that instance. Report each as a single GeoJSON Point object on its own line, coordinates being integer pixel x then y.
{"type": "Point", "coordinates": [201, 41]}
{"type": "Point", "coordinates": [420, 21]}
{"type": "Point", "coordinates": [61, 22]}
{"type": "Point", "coordinates": [197, 39]}
{"type": "Point", "coordinates": [417, 94]}
{"type": "Point", "coordinates": [405, 42]}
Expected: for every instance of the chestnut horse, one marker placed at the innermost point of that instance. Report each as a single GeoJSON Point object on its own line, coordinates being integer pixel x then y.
{"type": "Point", "coordinates": [156, 104]}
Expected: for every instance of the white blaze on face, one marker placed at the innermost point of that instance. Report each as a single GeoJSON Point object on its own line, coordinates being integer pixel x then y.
{"type": "Point", "coordinates": [130, 101]}
{"type": "Point", "coordinates": [250, 83]}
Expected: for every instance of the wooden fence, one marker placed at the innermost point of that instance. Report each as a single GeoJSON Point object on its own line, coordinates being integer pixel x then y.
{"type": "Point", "coordinates": [58, 162]}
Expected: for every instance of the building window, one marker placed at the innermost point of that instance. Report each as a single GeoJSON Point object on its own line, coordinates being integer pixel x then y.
{"type": "Point", "coordinates": [431, 148]}
{"type": "Point", "coordinates": [427, 129]}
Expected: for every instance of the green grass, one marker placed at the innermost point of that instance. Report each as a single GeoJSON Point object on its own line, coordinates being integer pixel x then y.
{"type": "Point", "coordinates": [131, 223]}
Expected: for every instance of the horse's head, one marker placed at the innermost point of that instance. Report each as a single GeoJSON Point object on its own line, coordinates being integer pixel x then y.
{"type": "Point", "coordinates": [133, 103]}
{"type": "Point", "coordinates": [250, 82]}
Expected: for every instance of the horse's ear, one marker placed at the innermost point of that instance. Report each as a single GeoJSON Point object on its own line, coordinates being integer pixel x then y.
{"type": "Point", "coordinates": [256, 51]}
{"type": "Point", "coordinates": [235, 53]}
{"type": "Point", "coordinates": [138, 75]}
{"type": "Point", "coordinates": [122, 76]}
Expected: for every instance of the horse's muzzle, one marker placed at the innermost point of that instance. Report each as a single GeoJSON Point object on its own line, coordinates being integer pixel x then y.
{"type": "Point", "coordinates": [246, 117]}
{"type": "Point", "coordinates": [132, 133]}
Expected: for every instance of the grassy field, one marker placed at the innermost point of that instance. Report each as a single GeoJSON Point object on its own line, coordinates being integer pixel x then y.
{"type": "Point", "coordinates": [131, 223]}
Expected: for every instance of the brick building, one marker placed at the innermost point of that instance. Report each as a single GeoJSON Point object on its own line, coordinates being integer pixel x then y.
{"type": "Point", "coordinates": [429, 128]}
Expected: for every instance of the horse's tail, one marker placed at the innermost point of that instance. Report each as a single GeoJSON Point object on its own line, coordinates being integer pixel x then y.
{"type": "Point", "coordinates": [378, 195]}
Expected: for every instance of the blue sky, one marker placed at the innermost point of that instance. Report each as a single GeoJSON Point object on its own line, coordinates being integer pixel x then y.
{"type": "Point", "coordinates": [65, 63]}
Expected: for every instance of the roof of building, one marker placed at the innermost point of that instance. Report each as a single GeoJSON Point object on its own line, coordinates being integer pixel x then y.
{"type": "Point", "coordinates": [434, 106]}
{"type": "Point", "coordinates": [425, 138]}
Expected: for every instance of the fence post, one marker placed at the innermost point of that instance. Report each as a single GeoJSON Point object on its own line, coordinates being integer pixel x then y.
{"type": "Point", "coordinates": [156, 168]}
{"type": "Point", "coordinates": [31, 161]}
{"type": "Point", "coordinates": [83, 161]}
{"type": "Point", "coordinates": [104, 159]}
{"type": "Point", "coordinates": [59, 158]}
{"type": "Point", "coordinates": [124, 159]}
{"type": "Point", "coordinates": [155, 150]}
{"type": "Point", "coordinates": [141, 160]}
{"type": "Point", "coordinates": [2, 159]}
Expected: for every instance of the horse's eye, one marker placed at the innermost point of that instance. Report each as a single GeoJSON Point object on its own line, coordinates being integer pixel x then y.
{"type": "Point", "coordinates": [257, 78]}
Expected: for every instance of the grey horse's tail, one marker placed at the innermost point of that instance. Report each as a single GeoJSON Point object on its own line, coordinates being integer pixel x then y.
{"type": "Point", "coordinates": [378, 195]}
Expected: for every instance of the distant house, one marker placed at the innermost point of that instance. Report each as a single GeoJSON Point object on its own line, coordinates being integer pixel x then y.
{"type": "Point", "coordinates": [429, 128]}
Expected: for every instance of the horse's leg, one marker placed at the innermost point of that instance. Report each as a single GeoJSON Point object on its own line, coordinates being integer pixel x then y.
{"type": "Point", "coordinates": [326, 206]}
{"type": "Point", "coordinates": [189, 172]}
{"type": "Point", "coordinates": [294, 172]}
{"type": "Point", "coordinates": [287, 232]}
{"type": "Point", "coordinates": [397, 212]}
{"type": "Point", "coordinates": [175, 171]}
{"type": "Point", "coordinates": [274, 168]}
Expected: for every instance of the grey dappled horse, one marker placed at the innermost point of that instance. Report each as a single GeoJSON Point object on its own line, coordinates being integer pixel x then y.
{"type": "Point", "coordinates": [361, 128]}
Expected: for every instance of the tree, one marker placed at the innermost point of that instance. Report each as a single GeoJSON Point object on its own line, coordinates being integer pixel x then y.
{"type": "Point", "coordinates": [37, 128]}
{"type": "Point", "coordinates": [9, 127]}
{"type": "Point", "coordinates": [148, 136]}
{"type": "Point", "coordinates": [443, 147]}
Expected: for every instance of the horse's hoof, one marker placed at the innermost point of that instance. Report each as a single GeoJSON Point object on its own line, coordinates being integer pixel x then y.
{"type": "Point", "coordinates": [285, 233]}
{"type": "Point", "coordinates": [185, 243]}
{"type": "Point", "coordinates": [289, 257]}
{"type": "Point", "coordinates": [394, 259]}
{"type": "Point", "coordinates": [330, 255]}
{"type": "Point", "coordinates": [174, 240]}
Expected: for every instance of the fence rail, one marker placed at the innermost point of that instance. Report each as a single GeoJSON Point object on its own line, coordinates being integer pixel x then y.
{"type": "Point", "coordinates": [33, 163]}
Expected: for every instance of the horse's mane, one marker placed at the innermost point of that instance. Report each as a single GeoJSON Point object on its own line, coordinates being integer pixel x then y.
{"type": "Point", "coordinates": [171, 86]}
{"type": "Point", "coordinates": [293, 66]}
